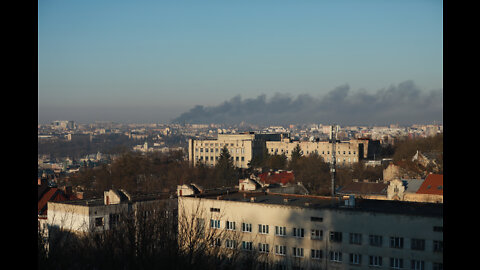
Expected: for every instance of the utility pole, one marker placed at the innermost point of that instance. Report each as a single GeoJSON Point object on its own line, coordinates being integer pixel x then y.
{"type": "Point", "coordinates": [333, 162]}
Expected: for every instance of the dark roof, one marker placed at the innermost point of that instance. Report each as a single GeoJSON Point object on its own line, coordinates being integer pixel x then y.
{"type": "Point", "coordinates": [326, 202]}
{"type": "Point", "coordinates": [365, 188]}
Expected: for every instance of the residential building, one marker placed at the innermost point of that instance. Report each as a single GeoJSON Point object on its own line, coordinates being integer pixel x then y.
{"type": "Point", "coordinates": [82, 216]}
{"type": "Point", "coordinates": [314, 232]}
{"type": "Point", "coordinates": [242, 148]}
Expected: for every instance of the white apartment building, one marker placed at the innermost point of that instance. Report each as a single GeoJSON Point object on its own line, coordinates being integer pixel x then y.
{"type": "Point", "coordinates": [90, 215]}
{"type": "Point", "coordinates": [313, 232]}
{"type": "Point", "coordinates": [348, 152]}
{"type": "Point", "coordinates": [242, 147]}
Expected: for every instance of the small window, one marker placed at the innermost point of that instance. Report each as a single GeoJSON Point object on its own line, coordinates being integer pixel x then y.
{"type": "Point", "coordinates": [317, 219]}
{"type": "Point", "coordinates": [214, 209]}
{"type": "Point", "coordinates": [280, 231]}
{"type": "Point", "coordinates": [298, 232]}
{"type": "Point", "coordinates": [247, 245]}
{"type": "Point", "coordinates": [263, 248]}
{"type": "Point", "coordinates": [374, 261]}
{"type": "Point", "coordinates": [335, 256]}
{"type": "Point", "coordinates": [316, 234]}
{"type": "Point", "coordinates": [230, 225]}
{"type": "Point", "coordinates": [355, 259]}
{"type": "Point", "coordinates": [297, 252]}
{"type": "Point", "coordinates": [246, 227]}
{"type": "Point", "coordinates": [418, 244]}
{"type": "Point", "coordinates": [355, 238]}
{"type": "Point", "coordinates": [396, 242]}
{"type": "Point", "coordinates": [99, 221]}
{"type": "Point", "coordinates": [316, 254]}
{"type": "Point", "coordinates": [263, 229]}
{"type": "Point", "coordinates": [396, 263]}
{"type": "Point", "coordinates": [280, 250]}
{"type": "Point", "coordinates": [336, 236]}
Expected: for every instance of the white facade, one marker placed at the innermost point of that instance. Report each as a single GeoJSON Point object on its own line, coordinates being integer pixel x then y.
{"type": "Point", "coordinates": [293, 231]}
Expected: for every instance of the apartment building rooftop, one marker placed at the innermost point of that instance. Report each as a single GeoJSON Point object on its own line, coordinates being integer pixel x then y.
{"type": "Point", "coordinates": [124, 199]}
{"type": "Point", "coordinates": [343, 203]}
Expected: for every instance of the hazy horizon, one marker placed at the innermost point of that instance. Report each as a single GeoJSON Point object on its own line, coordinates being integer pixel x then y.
{"type": "Point", "coordinates": [153, 62]}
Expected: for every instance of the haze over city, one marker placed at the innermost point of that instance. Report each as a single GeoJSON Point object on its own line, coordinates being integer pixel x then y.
{"type": "Point", "coordinates": [269, 62]}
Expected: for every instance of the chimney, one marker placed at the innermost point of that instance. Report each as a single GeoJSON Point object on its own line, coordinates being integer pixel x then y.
{"type": "Point", "coordinates": [68, 191]}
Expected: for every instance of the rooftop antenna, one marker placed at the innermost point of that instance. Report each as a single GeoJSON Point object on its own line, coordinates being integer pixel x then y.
{"type": "Point", "coordinates": [333, 161]}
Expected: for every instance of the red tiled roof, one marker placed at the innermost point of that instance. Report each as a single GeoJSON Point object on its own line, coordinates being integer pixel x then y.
{"type": "Point", "coordinates": [277, 178]}
{"type": "Point", "coordinates": [433, 184]}
{"type": "Point", "coordinates": [52, 195]}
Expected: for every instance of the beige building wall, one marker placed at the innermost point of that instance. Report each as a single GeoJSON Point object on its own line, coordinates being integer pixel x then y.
{"type": "Point", "coordinates": [347, 153]}
{"type": "Point", "coordinates": [239, 146]}
{"type": "Point", "coordinates": [344, 221]}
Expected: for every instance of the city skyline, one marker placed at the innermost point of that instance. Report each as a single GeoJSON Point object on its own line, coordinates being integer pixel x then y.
{"type": "Point", "coordinates": [157, 62]}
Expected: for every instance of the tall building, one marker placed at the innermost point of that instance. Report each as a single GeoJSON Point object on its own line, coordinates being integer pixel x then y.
{"type": "Point", "coordinates": [242, 147]}
{"type": "Point", "coordinates": [313, 232]}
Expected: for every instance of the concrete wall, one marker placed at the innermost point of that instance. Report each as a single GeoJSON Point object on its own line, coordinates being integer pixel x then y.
{"type": "Point", "coordinates": [344, 221]}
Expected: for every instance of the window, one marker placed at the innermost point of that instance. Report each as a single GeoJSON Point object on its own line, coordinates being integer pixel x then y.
{"type": "Point", "coordinates": [217, 242]}
{"type": "Point", "coordinates": [418, 244]}
{"type": "Point", "coordinates": [438, 228]}
{"type": "Point", "coordinates": [336, 236]}
{"type": "Point", "coordinates": [230, 225]}
{"type": "Point", "coordinates": [230, 243]}
{"type": "Point", "coordinates": [263, 248]}
{"type": "Point", "coordinates": [355, 259]}
{"type": "Point", "coordinates": [243, 158]}
{"type": "Point", "coordinates": [215, 224]}
{"type": "Point", "coordinates": [316, 234]}
{"type": "Point", "coordinates": [214, 209]}
{"type": "Point", "coordinates": [335, 256]}
{"type": "Point", "coordinates": [98, 221]}
{"type": "Point", "coordinates": [263, 229]}
{"type": "Point", "coordinates": [316, 254]}
{"type": "Point", "coordinates": [396, 263]}
{"type": "Point", "coordinates": [375, 240]}
{"type": "Point", "coordinates": [113, 219]}
{"type": "Point", "coordinates": [417, 265]}
{"type": "Point", "coordinates": [319, 219]}
{"type": "Point", "coordinates": [247, 245]}
{"type": "Point", "coordinates": [246, 227]}
{"type": "Point", "coordinates": [356, 238]}
{"type": "Point", "coordinates": [280, 231]}
{"type": "Point", "coordinates": [437, 246]}
{"type": "Point", "coordinates": [298, 232]}
{"type": "Point", "coordinates": [374, 261]}
{"type": "Point", "coordinates": [280, 250]}
{"type": "Point", "coordinates": [396, 242]}
{"type": "Point", "coordinates": [297, 252]}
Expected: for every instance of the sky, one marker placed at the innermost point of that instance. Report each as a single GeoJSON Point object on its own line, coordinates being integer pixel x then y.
{"type": "Point", "coordinates": [156, 61]}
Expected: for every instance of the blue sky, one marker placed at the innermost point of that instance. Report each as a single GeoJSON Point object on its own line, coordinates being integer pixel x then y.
{"type": "Point", "coordinates": [157, 59]}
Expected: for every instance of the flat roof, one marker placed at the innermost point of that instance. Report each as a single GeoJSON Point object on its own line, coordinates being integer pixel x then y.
{"type": "Point", "coordinates": [135, 198]}
{"type": "Point", "coordinates": [326, 202]}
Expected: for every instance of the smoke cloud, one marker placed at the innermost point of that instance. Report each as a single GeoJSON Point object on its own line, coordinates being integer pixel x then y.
{"type": "Point", "coordinates": [402, 104]}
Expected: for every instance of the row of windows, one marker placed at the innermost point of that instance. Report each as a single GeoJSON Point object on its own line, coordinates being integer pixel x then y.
{"type": "Point", "coordinates": [316, 234]}
{"type": "Point", "coordinates": [315, 151]}
{"type": "Point", "coordinates": [218, 150]}
{"type": "Point", "coordinates": [333, 256]}
{"type": "Point", "coordinates": [216, 158]}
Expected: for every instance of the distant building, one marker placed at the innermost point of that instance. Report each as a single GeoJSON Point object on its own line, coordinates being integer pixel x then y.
{"type": "Point", "coordinates": [242, 147]}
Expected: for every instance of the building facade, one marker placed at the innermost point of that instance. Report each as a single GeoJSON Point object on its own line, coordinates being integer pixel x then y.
{"type": "Point", "coordinates": [312, 232]}
{"type": "Point", "coordinates": [243, 147]}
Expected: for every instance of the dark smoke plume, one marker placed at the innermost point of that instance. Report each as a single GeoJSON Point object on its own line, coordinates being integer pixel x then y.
{"type": "Point", "coordinates": [401, 104]}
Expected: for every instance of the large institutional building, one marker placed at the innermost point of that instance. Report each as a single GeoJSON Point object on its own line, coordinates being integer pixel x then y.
{"type": "Point", "coordinates": [312, 232]}
{"type": "Point", "coordinates": [243, 147]}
